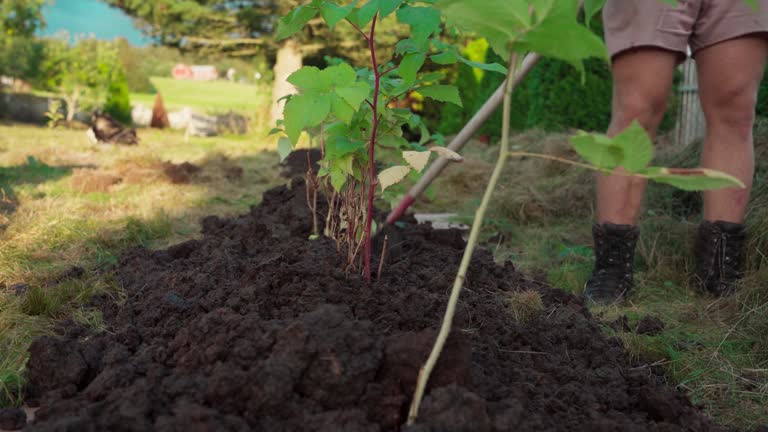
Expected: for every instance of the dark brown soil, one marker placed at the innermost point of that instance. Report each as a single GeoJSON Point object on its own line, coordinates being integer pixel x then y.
{"type": "Point", "coordinates": [180, 173]}
{"type": "Point", "coordinates": [12, 419]}
{"type": "Point", "coordinates": [255, 328]}
{"type": "Point", "coordinates": [296, 164]}
{"type": "Point", "coordinates": [650, 326]}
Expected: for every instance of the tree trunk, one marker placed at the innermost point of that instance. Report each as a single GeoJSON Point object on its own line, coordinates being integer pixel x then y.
{"type": "Point", "coordinates": [71, 101]}
{"type": "Point", "coordinates": [289, 60]}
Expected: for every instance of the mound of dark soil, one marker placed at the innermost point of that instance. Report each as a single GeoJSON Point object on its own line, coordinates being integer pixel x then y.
{"type": "Point", "coordinates": [255, 328]}
{"type": "Point", "coordinates": [296, 164]}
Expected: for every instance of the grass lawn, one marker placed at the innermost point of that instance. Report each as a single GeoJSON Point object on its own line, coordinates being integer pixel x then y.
{"type": "Point", "coordinates": [214, 96]}
{"type": "Point", "coordinates": [68, 203]}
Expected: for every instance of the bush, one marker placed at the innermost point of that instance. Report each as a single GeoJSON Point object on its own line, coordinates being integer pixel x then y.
{"type": "Point", "coordinates": [118, 103]}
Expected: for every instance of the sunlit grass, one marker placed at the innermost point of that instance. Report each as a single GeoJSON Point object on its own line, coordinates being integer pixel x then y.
{"type": "Point", "coordinates": [57, 212]}
{"type": "Point", "coordinates": [211, 96]}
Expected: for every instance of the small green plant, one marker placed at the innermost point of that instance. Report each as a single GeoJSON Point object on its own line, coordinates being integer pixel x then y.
{"type": "Point", "coordinates": [54, 114]}
{"type": "Point", "coordinates": [350, 111]}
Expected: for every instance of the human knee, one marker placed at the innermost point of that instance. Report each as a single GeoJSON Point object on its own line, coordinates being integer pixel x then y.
{"type": "Point", "coordinates": [648, 110]}
{"type": "Point", "coordinates": [732, 109]}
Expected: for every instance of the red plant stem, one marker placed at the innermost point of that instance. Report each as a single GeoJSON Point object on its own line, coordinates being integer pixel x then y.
{"type": "Point", "coordinates": [371, 151]}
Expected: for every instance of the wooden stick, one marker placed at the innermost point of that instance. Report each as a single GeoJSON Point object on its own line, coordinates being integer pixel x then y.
{"type": "Point", "coordinates": [381, 260]}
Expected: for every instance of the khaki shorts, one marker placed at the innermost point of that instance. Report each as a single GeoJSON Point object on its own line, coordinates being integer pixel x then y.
{"type": "Point", "coordinates": [695, 23]}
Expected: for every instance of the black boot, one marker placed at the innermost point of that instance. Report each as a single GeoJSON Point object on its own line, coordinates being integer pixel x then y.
{"type": "Point", "coordinates": [719, 251]}
{"type": "Point", "coordinates": [612, 277]}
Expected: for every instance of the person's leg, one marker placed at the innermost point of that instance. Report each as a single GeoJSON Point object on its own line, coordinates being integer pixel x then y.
{"type": "Point", "coordinates": [729, 76]}
{"type": "Point", "coordinates": [642, 80]}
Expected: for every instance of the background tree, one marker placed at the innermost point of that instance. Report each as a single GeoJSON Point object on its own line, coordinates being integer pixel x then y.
{"type": "Point", "coordinates": [80, 73]}
{"type": "Point", "coordinates": [20, 54]}
{"type": "Point", "coordinates": [244, 28]}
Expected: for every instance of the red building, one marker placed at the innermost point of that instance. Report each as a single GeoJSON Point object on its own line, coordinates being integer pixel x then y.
{"type": "Point", "coordinates": [197, 73]}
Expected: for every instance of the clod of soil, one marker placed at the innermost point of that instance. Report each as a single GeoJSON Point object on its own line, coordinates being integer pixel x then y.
{"type": "Point", "coordinates": [297, 163]}
{"type": "Point", "coordinates": [650, 326]}
{"type": "Point", "coordinates": [180, 173]}
{"type": "Point", "coordinates": [12, 419]}
{"type": "Point", "coordinates": [19, 289]}
{"type": "Point", "coordinates": [255, 327]}
{"type": "Point", "coordinates": [87, 180]}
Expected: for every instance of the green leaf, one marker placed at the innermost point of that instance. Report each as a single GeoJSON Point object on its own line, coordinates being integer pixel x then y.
{"type": "Point", "coordinates": [333, 13]}
{"type": "Point", "coordinates": [560, 36]}
{"type": "Point", "coordinates": [598, 149]}
{"type": "Point", "coordinates": [591, 8]}
{"type": "Point", "coordinates": [340, 75]}
{"type": "Point", "coordinates": [302, 111]}
{"type": "Point", "coordinates": [354, 94]}
{"type": "Point", "coordinates": [284, 147]}
{"type": "Point", "coordinates": [441, 93]}
{"type": "Point", "coordinates": [386, 7]}
{"type": "Point", "coordinates": [636, 146]}
{"type": "Point", "coordinates": [338, 178]}
{"type": "Point", "coordinates": [339, 146]}
{"type": "Point", "coordinates": [445, 57]}
{"type": "Point", "coordinates": [499, 21]}
{"type": "Point", "coordinates": [410, 65]}
{"type": "Point", "coordinates": [341, 109]}
{"type": "Point", "coordinates": [492, 67]}
{"type": "Point", "coordinates": [310, 78]}
{"type": "Point", "coordinates": [423, 21]}
{"type": "Point", "coordinates": [392, 141]}
{"type": "Point", "coordinates": [696, 179]}
{"type": "Point", "coordinates": [366, 13]}
{"type": "Point", "coordinates": [294, 21]}
{"type": "Point", "coordinates": [406, 46]}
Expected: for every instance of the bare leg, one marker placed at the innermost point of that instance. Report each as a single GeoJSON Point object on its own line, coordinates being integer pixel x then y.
{"type": "Point", "coordinates": [729, 75]}
{"type": "Point", "coordinates": [642, 82]}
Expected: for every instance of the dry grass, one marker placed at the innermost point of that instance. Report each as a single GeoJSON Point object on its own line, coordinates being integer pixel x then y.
{"type": "Point", "coordinates": [524, 305]}
{"type": "Point", "coordinates": [66, 202]}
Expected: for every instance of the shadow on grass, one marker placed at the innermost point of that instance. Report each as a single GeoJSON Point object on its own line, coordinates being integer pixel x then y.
{"type": "Point", "coordinates": [32, 172]}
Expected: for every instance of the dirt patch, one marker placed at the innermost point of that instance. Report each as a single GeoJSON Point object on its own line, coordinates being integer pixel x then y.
{"type": "Point", "coordinates": [180, 173]}
{"type": "Point", "coordinates": [650, 326]}
{"type": "Point", "coordinates": [254, 327]}
{"type": "Point", "coordinates": [90, 180]}
{"type": "Point", "coordinates": [12, 419]}
{"type": "Point", "coordinates": [296, 164]}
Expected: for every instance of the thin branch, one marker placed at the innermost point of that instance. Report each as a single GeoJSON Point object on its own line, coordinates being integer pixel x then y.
{"type": "Point", "coordinates": [355, 26]}
{"type": "Point", "coordinates": [383, 255]}
{"type": "Point", "coordinates": [445, 328]}
{"type": "Point", "coordinates": [389, 70]}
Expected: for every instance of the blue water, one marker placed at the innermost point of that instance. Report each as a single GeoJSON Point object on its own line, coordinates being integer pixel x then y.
{"type": "Point", "coordinates": [86, 17]}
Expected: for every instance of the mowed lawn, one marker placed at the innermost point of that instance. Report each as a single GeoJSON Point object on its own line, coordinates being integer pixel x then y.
{"type": "Point", "coordinates": [67, 205]}
{"type": "Point", "coordinates": [210, 96]}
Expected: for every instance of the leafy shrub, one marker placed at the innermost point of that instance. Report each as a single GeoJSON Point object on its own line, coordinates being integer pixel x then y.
{"type": "Point", "coordinates": [118, 103]}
